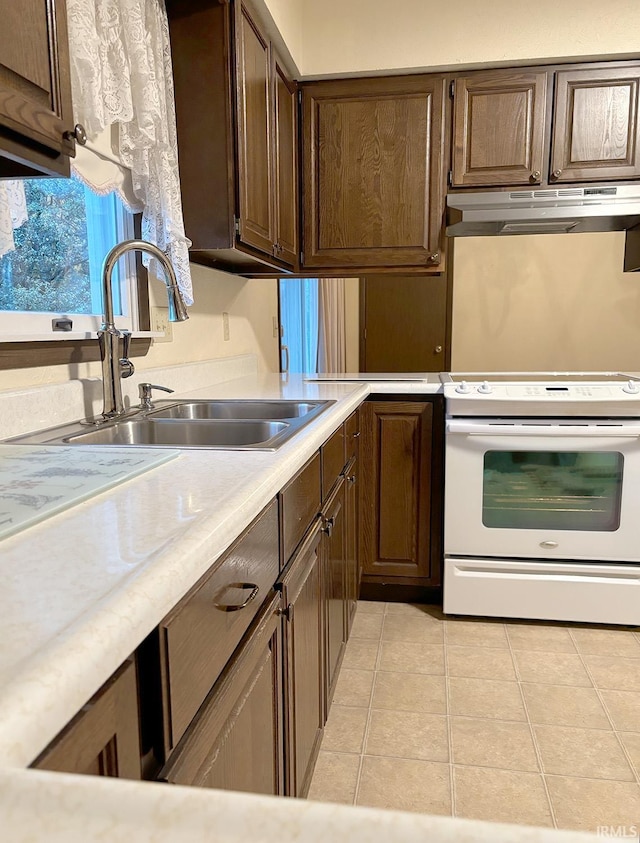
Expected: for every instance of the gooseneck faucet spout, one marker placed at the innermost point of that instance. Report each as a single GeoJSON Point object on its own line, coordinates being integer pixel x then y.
{"type": "Point", "coordinates": [115, 366]}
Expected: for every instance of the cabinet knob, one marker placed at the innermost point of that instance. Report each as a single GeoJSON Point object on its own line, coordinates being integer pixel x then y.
{"type": "Point", "coordinates": [351, 480]}
{"type": "Point", "coordinates": [437, 349]}
{"type": "Point", "coordinates": [77, 134]}
{"type": "Point", "coordinates": [556, 174]}
{"type": "Point", "coordinates": [434, 258]}
{"type": "Point", "coordinates": [329, 525]}
{"type": "Point", "coordinates": [535, 175]}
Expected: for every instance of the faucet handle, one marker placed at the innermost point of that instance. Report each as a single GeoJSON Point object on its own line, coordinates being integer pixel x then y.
{"type": "Point", "coordinates": [144, 392]}
{"type": "Point", "coordinates": [126, 366]}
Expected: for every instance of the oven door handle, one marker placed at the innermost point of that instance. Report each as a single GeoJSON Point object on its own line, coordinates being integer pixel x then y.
{"type": "Point", "coordinates": [547, 430]}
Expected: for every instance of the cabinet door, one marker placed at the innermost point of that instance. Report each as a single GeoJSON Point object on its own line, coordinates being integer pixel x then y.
{"type": "Point", "coordinates": [352, 561]}
{"type": "Point", "coordinates": [373, 178]}
{"type": "Point", "coordinates": [35, 90]}
{"type": "Point", "coordinates": [286, 175]}
{"type": "Point", "coordinates": [334, 587]}
{"type": "Point", "coordinates": [396, 493]}
{"type": "Point", "coordinates": [595, 133]}
{"type": "Point", "coordinates": [234, 743]}
{"type": "Point", "coordinates": [301, 594]}
{"type": "Point", "coordinates": [498, 129]}
{"type": "Point", "coordinates": [103, 739]}
{"type": "Point", "coordinates": [255, 141]}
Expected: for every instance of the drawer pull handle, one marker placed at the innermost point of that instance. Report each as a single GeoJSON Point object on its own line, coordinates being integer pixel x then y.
{"type": "Point", "coordinates": [233, 607]}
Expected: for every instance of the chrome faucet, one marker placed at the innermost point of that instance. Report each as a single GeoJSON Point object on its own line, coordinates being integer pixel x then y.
{"type": "Point", "coordinates": [114, 366]}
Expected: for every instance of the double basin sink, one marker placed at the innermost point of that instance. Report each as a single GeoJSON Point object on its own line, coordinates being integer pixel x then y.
{"type": "Point", "coordinates": [234, 424]}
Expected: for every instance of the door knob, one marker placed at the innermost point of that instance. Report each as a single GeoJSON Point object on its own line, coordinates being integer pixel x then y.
{"type": "Point", "coordinates": [437, 349]}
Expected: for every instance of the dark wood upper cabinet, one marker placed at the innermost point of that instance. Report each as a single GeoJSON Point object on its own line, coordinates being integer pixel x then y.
{"type": "Point", "coordinates": [236, 123]}
{"type": "Point", "coordinates": [595, 134]}
{"type": "Point", "coordinates": [373, 172]}
{"type": "Point", "coordinates": [286, 164]}
{"type": "Point", "coordinates": [35, 89]}
{"type": "Point", "coordinates": [499, 128]}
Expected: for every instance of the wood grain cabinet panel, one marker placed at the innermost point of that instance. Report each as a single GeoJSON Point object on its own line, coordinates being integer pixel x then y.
{"type": "Point", "coordinates": [373, 178]}
{"type": "Point", "coordinates": [35, 88]}
{"type": "Point", "coordinates": [396, 496]}
{"type": "Point", "coordinates": [334, 586]}
{"type": "Point", "coordinates": [103, 739]}
{"type": "Point", "coordinates": [595, 135]}
{"type": "Point", "coordinates": [236, 116]}
{"type": "Point", "coordinates": [301, 586]}
{"type": "Point", "coordinates": [235, 741]}
{"type": "Point", "coordinates": [200, 634]}
{"type": "Point", "coordinates": [255, 142]}
{"type": "Point", "coordinates": [499, 128]}
{"type": "Point", "coordinates": [299, 505]}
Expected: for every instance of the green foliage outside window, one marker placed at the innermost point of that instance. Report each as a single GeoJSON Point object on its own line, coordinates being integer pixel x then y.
{"type": "Point", "coordinates": [49, 269]}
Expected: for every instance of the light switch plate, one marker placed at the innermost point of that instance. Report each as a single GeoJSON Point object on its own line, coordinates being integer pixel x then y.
{"type": "Point", "coordinates": [160, 322]}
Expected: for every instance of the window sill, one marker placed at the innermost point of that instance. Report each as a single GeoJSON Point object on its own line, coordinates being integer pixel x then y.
{"type": "Point", "coordinates": [54, 336]}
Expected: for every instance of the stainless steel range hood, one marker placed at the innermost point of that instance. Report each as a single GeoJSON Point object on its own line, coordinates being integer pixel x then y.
{"type": "Point", "coordinates": [552, 211]}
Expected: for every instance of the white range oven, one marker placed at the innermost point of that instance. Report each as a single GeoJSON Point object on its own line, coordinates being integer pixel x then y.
{"type": "Point", "coordinates": [542, 496]}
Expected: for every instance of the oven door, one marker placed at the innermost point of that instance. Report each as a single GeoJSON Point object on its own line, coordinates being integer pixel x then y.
{"type": "Point", "coordinates": [545, 489]}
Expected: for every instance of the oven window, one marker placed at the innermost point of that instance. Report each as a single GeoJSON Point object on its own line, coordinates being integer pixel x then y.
{"type": "Point", "coordinates": [552, 490]}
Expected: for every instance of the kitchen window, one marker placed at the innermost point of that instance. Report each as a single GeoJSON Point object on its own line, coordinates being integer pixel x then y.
{"type": "Point", "coordinates": [54, 272]}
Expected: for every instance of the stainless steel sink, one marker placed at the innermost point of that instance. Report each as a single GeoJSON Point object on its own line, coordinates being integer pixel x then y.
{"type": "Point", "coordinates": [233, 424]}
{"type": "Point", "coordinates": [238, 409]}
{"type": "Point", "coordinates": [183, 434]}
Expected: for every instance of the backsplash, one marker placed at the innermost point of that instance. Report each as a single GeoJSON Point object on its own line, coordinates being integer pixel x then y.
{"type": "Point", "coordinates": [26, 410]}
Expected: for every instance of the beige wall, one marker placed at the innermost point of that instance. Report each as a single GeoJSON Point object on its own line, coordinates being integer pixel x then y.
{"type": "Point", "coordinates": [544, 302]}
{"type": "Point", "coordinates": [287, 16]}
{"type": "Point", "coordinates": [356, 36]}
{"type": "Point", "coordinates": [251, 305]}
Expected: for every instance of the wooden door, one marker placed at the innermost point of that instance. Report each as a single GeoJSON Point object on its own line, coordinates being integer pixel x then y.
{"type": "Point", "coordinates": [286, 171]}
{"type": "Point", "coordinates": [35, 88]}
{"type": "Point", "coordinates": [404, 323]}
{"type": "Point", "coordinates": [103, 739]}
{"type": "Point", "coordinates": [235, 740]}
{"type": "Point", "coordinates": [255, 141]}
{"type": "Point", "coordinates": [595, 130]}
{"type": "Point", "coordinates": [373, 172]}
{"type": "Point", "coordinates": [334, 586]}
{"type": "Point", "coordinates": [304, 710]}
{"type": "Point", "coordinates": [499, 128]}
{"type": "Point", "coordinates": [396, 488]}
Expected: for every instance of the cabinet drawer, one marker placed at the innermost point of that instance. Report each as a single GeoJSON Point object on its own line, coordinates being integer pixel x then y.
{"type": "Point", "coordinates": [352, 435]}
{"type": "Point", "coordinates": [333, 460]}
{"type": "Point", "coordinates": [235, 740]}
{"type": "Point", "coordinates": [299, 503]}
{"type": "Point", "coordinates": [200, 634]}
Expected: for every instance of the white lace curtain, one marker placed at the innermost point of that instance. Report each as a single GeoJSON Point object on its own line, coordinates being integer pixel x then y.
{"type": "Point", "coordinates": [121, 76]}
{"type": "Point", "coordinates": [13, 212]}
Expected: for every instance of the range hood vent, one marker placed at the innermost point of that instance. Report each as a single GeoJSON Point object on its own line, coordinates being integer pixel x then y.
{"type": "Point", "coordinates": [571, 209]}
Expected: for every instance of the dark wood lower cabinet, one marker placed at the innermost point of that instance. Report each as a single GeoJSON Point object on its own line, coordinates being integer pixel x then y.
{"type": "Point", "coordinates": [334, 587]}
{"type": "Point", "coordinates": [400, 508]}
{"type": "Point", "coordinates": [353, 568]}
{"type": "Point", "coordinates": [103, 738]}
{"type": "Point", "coordinates": [304, 709]}
{"type": "Point", "coordinates": [235, 740]}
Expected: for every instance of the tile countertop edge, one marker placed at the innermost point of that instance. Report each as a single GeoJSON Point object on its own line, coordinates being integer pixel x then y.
{"type": "Point", "coordinates": [44, 691]}
{"type": "Point", "coordinates": [63, 808]}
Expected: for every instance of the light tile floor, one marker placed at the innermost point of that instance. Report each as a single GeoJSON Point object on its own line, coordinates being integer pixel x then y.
{"type": "Point", "coordinates": [526, 722]}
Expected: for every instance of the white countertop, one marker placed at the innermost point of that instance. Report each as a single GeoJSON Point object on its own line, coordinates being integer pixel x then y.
{"type": "Point", "coordinates": [83, 589]}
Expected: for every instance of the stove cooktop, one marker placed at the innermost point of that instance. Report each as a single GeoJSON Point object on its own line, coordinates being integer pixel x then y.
{"type": "Point", "coordinates": [590, 394]}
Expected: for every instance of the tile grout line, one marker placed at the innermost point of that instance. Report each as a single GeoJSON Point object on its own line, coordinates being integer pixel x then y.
{"type": "Point", "coordinates": [534, 739]}
{"type": "Point", "coordinates": [452, 782]}
{"type": "Point", "coordinates": [636, 772]}
{"type": "Point", "coordinates": [369, 710]}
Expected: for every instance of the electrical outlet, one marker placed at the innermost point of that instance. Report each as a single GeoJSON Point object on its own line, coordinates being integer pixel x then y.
{"type": "Point", "coordinates": [160, 322]}
{"type": "Point", "coordinates": [225, 325]}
